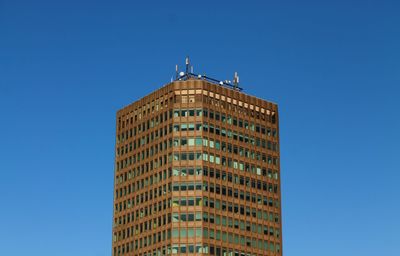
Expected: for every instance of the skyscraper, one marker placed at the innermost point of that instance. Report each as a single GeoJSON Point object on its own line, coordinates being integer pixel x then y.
{"type": "Point", "coordinates": [197, 172]}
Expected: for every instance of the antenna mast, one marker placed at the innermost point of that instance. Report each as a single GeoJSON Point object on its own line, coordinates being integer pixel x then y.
{"type": "Point", "coordinates": [189, 74]}
{"type": "Point", "coordinates": [236, 81]}
{"type": "Point", "coordinates": [187, 64]}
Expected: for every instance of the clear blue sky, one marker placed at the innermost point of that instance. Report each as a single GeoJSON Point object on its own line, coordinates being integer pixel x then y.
{"type": "Point", "coordinates": [332, 66]}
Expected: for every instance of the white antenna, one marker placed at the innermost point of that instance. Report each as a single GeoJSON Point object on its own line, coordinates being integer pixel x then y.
{"type": "Point", "coordinates": [236, 80]}
{"type": "Point", "coordinates": [187, 61]}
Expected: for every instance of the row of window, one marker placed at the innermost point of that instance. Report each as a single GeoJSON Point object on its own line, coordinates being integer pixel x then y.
{"type": "Point", "coordinates": [187, 248]}
{"type": "Point", "coordinates": [206, 127]}
{"type": "Point", "coordinates": [225, 222]}
{"type": "Point", "coordinates": [217, 159]}
{"type": "Point", "coordinates": [191, 186]}
{"type": "Point", "coordinates": [190, 232]}
{"type": "Point", "coordinates": [184, 232]}
{"type": "Point", "coordinates": [143, 197]}
{"type": "Point", "coordinates": [187, 201]}
{"type": "Point", "coordinates": [199, 248]}
{"type": "Point", "coordinates": [223, 146]}
{"type": "Point", "coordinates": [187, 171]}
{"type": "Point", "coordinates": [187, 127]}
{"type": "Point", "coordinates": [184, 156]}
{"type": "Point", "coordinates": [227, 119]}
{"type": "Point", "coordinates": [158, 236]}
{"type": "Point", "coordinates": [229, 191]}
{"type": "Point", "coordinates": [238, 136]}
{"type": "Point", "coordinates": [232, 238]}
{"type": "Point", "coordinates": [187, 112]}
{"type": "Point", "coordinates": [152, 164]}
{"type": "Point", "coordinates": [230, 207]}
{"type": "Point", "coordinates": [218, 251]}
{"type": "Point", "coordinates": [136, 172]}
{"type": "Point", "coordinates": [240, 194]}
{"type": "Point", "coordinates": [202, 249]}
{"type": "Point", "coordinates": [242, 108]}
{"type": "Point", "coordinates": [242, 151]}
{"type": "Point", "coordinates": [244, 226]}
{"type": "Point", "coordinates": [226, 176]}
{"type": "Point", "coordinates": [238, 179]}
{"type": "Point", "coordinates": [128, 203]}
{"type": "Point", "coordinates": [152, 150]}
{"type": "Point", "coordinates": [239, 165]}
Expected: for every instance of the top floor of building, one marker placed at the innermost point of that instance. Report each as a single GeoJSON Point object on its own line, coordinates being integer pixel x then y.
{"type": "Point", "coordinates": [192, 92]}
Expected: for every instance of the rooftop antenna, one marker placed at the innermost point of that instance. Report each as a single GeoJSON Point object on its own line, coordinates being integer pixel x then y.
{"type": "Point", "coordinates": [187, 64]}
{"type": "Point", "coordinates": [188, 74]}
{"type": "Point", "coordinates": [236, 81]}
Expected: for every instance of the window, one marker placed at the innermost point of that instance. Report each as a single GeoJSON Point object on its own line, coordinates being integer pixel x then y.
{"type": "Point", "coordinates": [191, 141]}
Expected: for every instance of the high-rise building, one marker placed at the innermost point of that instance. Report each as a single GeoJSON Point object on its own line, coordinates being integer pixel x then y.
{"type": "Point", "coordinates": [197, 172]}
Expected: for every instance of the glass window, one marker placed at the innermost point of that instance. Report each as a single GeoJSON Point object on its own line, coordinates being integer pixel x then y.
{"type": "Point", "coordinates": [175, 217]}
{"type": "Point", "coordinates": [190, 232]}
{"type": "Point", "coordinates": [198, 141]}
{"type": "Point", "coordinates": [205, 233]}
{"type": "Point", "coordinates": [199, 232]}
{"type": "Point", "coordinates": [190, 141]}
{"type": "Point", "coordinates": [175, 232]}
{"type": "Point", "coordinates": [217, 144]}
{"type": "Point", "coordinates": [198, 216]}
{"type": "Point", "coordinates": [184, 142]}
{"type": "Point", "coordinates": [183, 232]}
{"type": "Point", "coordinates": [184, 156]}
{"type": "Point", "coordinates": [175, 249]}
{"type": "Point", "coordinates": [211, 158]}
{"type": "Point", "coordinates": [183, 172]}
{"type": "Point", "coordinates": [183, 248]}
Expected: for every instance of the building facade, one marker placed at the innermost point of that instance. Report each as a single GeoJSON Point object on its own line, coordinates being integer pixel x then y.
{"type": "Point", "coordinates": [197, 172]}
